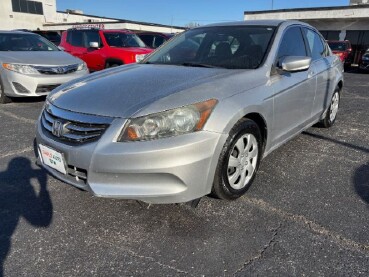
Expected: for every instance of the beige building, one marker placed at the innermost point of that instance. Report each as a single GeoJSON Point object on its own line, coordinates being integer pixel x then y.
{"type": "Point", "coordinates": [43, 15]}
{"type": "Point", "coordinates": [335, 23]}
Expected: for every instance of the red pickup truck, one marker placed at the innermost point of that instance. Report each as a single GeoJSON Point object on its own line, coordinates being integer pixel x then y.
{"type": "Point", "coordinates": [343, 50]}
{"type": "Point", "coordinates": [102, 49]}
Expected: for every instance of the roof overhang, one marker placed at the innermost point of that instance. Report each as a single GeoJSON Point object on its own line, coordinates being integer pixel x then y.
{"type": "Point", "coordinates": [336, 13]}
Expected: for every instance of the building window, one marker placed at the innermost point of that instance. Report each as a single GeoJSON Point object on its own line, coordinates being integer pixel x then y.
{"type": "Point", "coordinates": [26, 6]}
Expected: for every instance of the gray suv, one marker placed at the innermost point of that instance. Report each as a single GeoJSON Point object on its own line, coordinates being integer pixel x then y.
{"type": "Point", "coordinates": [32, 66]}
{"type": "Point", "coordinates": [195, 117]}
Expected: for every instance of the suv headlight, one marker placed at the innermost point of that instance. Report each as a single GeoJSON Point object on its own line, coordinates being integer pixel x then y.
{"type": "Point", "coordinates": [20, 68]}
{"type": "Point", "coordinates": [82, 66]}
{"type": "Point", "coordinates": [169, 123]}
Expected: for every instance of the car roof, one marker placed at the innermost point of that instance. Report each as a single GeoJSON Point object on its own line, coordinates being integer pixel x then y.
{"type": "Point", "coordinates": [271, 22]}
{"type": "Point", "coordinates": [17, 32]}
{"type": "Point", "coordinates": [101, 30]}
{"type": "Point", "coordinates": [116, 31]}
{"type": "Point", "coordinates": [344, 41]}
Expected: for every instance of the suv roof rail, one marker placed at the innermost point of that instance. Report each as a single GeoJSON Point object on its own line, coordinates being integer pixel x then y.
{"type": "Point", "coordinates": [84, 28]}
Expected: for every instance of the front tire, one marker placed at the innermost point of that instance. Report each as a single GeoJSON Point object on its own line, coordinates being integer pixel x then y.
{"type": "Point", "coordinates": [238, 161]}
{"type": "Point", "coordinates": [331, 116]}
{"type": "Point", "coordinates": [3, 98]}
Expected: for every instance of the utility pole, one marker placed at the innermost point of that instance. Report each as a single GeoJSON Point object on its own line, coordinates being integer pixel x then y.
{"type": "Point", "coordinates": [171, 25]}
{"type": "Point", "coordinates": [272, 4]}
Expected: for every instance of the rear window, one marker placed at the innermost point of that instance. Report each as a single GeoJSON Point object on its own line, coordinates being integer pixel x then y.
{"type": "Point", "coordinates": [338, 46]}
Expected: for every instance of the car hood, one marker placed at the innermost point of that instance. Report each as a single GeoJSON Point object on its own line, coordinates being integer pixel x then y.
{"type": "Point", "coordinates": [124, 91]}
{"type": "Point", "coordinates": [38, 57]}
{"type": "Point", "coordinates": [134, 50]}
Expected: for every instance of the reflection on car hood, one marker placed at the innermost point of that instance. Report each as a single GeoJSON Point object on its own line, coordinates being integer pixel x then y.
{"type": "Point", "coordinates": [123, 91]}
{"type": "Point", "coordinates": [38, 57]}
{"type": "Point", "coordinates": [134, 50]}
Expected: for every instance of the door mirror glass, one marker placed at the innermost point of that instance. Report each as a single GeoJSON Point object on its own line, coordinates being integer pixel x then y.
{"type": "Point", "coordinates": [295, 63]}
{"type": "Point", "coordinates": [94, 44]}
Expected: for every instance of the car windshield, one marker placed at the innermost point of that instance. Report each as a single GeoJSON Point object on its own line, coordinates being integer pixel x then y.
{"type": "Point", "coordinates": [53, 37]}
{"type": "Point", "coordinates": [337, 46]}
{"type": "Point", "coordinates": [123, 40]}
{"type": "Point", "coordinates": [231, 47]}
{"type": "Point", "coordinates": [25, 42]}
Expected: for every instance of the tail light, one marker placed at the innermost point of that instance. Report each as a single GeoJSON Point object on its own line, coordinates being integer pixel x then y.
{"type": "Point", "coordinates": [342, 56]}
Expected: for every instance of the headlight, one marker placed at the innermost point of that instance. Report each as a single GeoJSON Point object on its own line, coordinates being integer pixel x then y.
{"type": "Point", "coordinates": [82, 66]}
{"type": "Point", "coordinates": [170, 123]}
{"type": "Point", "coordinates": [20, 68]}
{"type": "Point", "coordinates": [140, 57]}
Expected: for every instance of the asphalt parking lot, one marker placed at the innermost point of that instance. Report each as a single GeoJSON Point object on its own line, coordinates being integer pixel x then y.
{"type": "Point", "coordinates": [306, 214]}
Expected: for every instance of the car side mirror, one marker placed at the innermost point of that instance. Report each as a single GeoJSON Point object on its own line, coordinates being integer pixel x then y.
{"type": "Point", "coordinates": [94, 45]}
{"type": "Point", "coordinates": [295, 63]}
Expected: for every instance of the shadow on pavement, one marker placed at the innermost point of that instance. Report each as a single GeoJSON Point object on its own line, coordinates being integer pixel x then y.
{"type": "Point", "coordinates": [356, 70]}
{"type": "Point", "coordinates": [19, 199]}
{"type": "Point", "coordinates": [28, 99]}
{"type": "Point", "coordinates": [361, 176]}
{"type": "Point", "coordinates": [361, 182]}
{"type": "Point", "coordinates": [346, 144]}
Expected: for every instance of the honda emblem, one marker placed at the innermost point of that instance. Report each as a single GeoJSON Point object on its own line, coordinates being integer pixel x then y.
{"type": "Point", "coordinates": [58, 128]}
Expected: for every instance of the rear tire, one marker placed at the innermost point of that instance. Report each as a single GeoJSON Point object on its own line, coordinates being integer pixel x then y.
{"type": "Point", "coordinates": [238, 161]}
{"type": "Point", "coordinates": [331, 116]}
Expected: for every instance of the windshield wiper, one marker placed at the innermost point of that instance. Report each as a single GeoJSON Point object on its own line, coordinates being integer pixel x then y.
{"type": "Point", "coordinates": [199, 65]}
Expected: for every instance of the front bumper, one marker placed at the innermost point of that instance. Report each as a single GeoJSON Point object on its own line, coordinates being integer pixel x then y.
{"type": "Point", "coordinates": [20, 85]}
{"type": "Point", "coordinates": [171, 170]}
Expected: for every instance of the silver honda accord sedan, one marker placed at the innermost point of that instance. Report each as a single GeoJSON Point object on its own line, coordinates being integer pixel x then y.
{"type": "Point", "coordinates": [195, 117]}
{"type": "Point", "coordinates": [32, 66]}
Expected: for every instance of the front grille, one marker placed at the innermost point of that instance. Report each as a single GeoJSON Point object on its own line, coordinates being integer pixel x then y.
{"type": "Point", "coordinates": [54, 70]}
{"type": "Point", "coordinates": [45, 88]}
{"type": "Point", "coordinates": [73, 128]}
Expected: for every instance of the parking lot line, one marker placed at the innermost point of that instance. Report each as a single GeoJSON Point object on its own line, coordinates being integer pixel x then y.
{"type": "Point", "coordinates": [23, 119]}
{"type": "Point", "coordinates": [16, 152]}
{"type": "Point", "coordinates": [309, 224]}
{"type": "Point", "coordinates": [151, 259]}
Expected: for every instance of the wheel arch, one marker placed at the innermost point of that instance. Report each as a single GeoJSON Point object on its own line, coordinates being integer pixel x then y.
{"type": "Point", "coordinates": [261, 122]}
{"type": "Point", "coordinates": [113, 61]}
{"type": "Point", "coordinates": [340, 84]}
